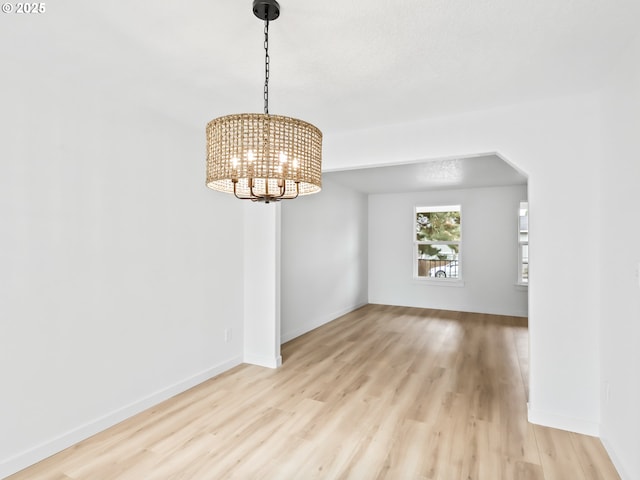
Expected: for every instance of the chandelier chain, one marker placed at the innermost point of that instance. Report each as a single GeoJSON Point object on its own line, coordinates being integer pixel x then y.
{"type": "Point", "coordinates": [266, 67]}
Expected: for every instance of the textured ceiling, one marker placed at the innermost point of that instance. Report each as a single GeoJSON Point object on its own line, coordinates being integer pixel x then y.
{"type": "Point", "coordinates": [340, 64]}
{"type": "Point", "coordinates": [472, 172]}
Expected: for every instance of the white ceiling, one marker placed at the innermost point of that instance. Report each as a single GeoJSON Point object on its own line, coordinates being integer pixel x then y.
{"type": "Point", "coordinates": [340, 64]}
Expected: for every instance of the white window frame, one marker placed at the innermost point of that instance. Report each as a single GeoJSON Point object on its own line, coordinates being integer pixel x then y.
{"type": "Point", "coordinates": [524, 205]}
{"type": "Point", "coordinates": [416, 244]}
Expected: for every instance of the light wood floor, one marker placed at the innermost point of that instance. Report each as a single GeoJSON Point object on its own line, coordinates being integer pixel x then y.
{"type": "Point", "coordinates": [383, 392]}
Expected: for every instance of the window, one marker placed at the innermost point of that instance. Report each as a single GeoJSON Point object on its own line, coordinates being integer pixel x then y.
{"type": "Point", "coordinates": [437, 242]}
{"type": "Point", "coordinates": [523, 244]}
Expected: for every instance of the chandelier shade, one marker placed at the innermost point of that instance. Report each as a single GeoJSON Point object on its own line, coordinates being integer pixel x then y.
{"type": "Point", "coordinates": [263, 157]}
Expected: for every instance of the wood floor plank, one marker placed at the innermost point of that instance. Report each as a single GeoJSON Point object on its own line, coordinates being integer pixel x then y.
{"type": "Point", "coordinates": [559, 459]}
{"type": "Point", "coordinates": [595, 462]}
{"type": "Point", "coordinates": [524, 471]}
{"type": "Point", "coordinates": [381, 393]}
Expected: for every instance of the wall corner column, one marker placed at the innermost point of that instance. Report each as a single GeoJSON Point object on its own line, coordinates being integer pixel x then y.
{"type": "Point", "coordinates": [262, 284]}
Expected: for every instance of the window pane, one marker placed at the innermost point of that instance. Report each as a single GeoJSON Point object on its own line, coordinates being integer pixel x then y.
{"type": "Point", "coordinates": [523, 218]}
{"type": "Point", "coordinates": [524, 263]}
{"type": "Point", "coordinates": [437, 241]}
{"type": "Point", "coordinates": [438, 268]}
{"type": "Point", "coordinates": [524, 222]}
{"type": "Point", "coordinates": [523, 239]}
{"type": "Point", "coordinates": [438, 226]}
{"type": "Point", "coordinates": [439, 261]}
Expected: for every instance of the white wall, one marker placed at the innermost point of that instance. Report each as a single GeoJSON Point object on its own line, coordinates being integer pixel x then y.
{"type": "Point", "coordinates": [620, 322]}
{"type": "Point", "coordinates": [262, 284]}
{"type": "Point", "coordinates": [119, 269]}
{"type": "Point", "coordinates": [324, 258]}
{"type": "Point", "coordinates": [556, 143]}
{"type": "Point", "coordinates": [489, 254]}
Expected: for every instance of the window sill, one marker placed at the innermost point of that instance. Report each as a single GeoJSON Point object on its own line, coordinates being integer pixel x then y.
{"type": "Point", "coordinates": [522, 286]}
{"type": "Point", "coordinates": [442, 282]}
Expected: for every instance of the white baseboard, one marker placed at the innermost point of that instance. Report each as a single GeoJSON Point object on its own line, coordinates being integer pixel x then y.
{"type": "Point", "coordinates": [561, 422]}
{"type": "Point", "coordinates": [617, 462]}
{"type": "Point", "coordinates": [262, 361]}
{"type": "Point", "coordinates": [315, 323]}
{"type": "Point", "coordinates": [11, 465]}
{"type": "Point", "coordinates": [489, 310]}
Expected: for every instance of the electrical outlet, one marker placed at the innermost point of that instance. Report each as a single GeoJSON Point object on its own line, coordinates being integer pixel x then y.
{"type": "Point", "coordinates": [228, 334]}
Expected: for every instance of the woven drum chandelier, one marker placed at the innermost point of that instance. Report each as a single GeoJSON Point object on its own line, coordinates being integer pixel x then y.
{"type": "Point", "coordinates": [263, 157]}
